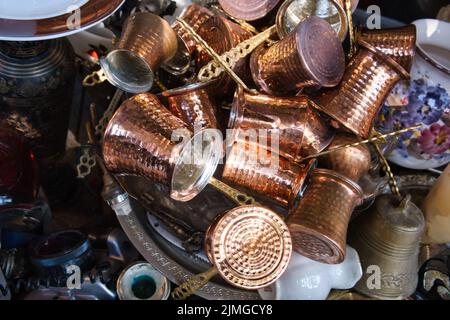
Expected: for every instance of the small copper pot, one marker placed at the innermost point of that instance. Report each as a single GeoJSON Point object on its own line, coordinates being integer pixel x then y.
{"type": "Point", "coordinates": [254, 168]}
{"type": "Point", "coordinates": [301, 131]}
{"type": "Point", "coordinates": [249, 10]}
{"type": "Point", "coordinates": [146, 43]}
{"type": "Point", "coordinates": [139, 141]}
{"type": "Point", "coordinates": [368, 80]}
{"type": "Point", "coordinates": [319, 224]}
{"type": "Point", "coordinates": [194, 15]}
{"type": "Point", "coordinates": [193, 105]}
{"type": "Point", "coordinates": [223, 35]}
{"type": "Point", "coordinates": [311, 56]}
{"type": "Point", "coordinates": [250, 247]}
{"type": "Point", "coordinates": [293, 12]}
{"type": "Point", "coordinates": [398, 43]}
{"type": "Point", "coordinates": [353, 162]}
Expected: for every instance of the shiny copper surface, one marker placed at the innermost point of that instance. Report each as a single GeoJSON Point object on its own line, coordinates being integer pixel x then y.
{"type": "Point", "coordinates": [398, 43]}
{"type": "Point", "coordinates": [311, 56]}
{"type": "Point", "coordinates": [353, 162]}
{"type": "Point", "coordinates": [368, 80]}
{"type": "Point", "coordinates": [150, 37]}
{"type": "Point", "coordinates": [292, 12]}
{"type": "Point", "coordinates": [259, 171]}
{"type": "Point", "coordinates": [300, 129]}
{"type": "Point", "coordinates": [138, 139]}
{"type": "Point", "coordinates": [194, 15]}
{"type": "Point", "coordinates": [319, 224]}
{"type": "Point", "coordinates": [141, 139]}
{"type": "Point", "coordinates": [147, 41]}
{"type": "Point", "coordinates": [248, 10]}
{"type": "Point", "coordinates": [388, 236]}
{"type": "Point", "coordinates": [250, 247]}
{"type": "Point", "coordinates": [193, 105]}
{"type": "Point", "coordinates": [223, 35]}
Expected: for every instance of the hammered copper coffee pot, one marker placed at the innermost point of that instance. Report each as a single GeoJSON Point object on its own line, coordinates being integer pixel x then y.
{"type": "Point", "coordinates": [300, 129]}
{"type": "Point", "coordinates": [388, 242]}
{"type": "Point", "coordinates": [143, 138]}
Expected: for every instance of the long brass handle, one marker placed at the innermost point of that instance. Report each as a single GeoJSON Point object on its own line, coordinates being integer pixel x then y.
{"type": "Point", "coordinates": [194, 284]}
{"type": "Point", "coordinates": [240, 198]}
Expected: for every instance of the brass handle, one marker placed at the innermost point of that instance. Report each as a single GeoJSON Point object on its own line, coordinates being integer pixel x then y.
{"type": "Point", "coordinates": [213, 69]}
{"type": "Point", "coordinates": [240, 198]}
{"type": "Point", "coordinates": [94, 78]}
{"type": "Point", "coordinates": [101, 126]}
{"type": "Point", "coordinates": [194, 284]}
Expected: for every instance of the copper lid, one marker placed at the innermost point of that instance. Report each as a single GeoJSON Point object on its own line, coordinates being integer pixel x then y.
{"type": "Point", "coordinates": [248, 10]}
{"type": "Point", "coordinates": [250, 246]}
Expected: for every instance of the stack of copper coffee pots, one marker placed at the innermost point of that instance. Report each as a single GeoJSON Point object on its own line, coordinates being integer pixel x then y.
{"type": "Point", "coordinates": [292, 141]}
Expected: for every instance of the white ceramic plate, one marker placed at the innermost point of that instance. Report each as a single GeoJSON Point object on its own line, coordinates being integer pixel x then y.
{"type": "Point", "coordinates": [37, 9]}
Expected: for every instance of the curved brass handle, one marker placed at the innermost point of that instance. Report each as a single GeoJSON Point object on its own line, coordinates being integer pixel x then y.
{"type": "Point", "coordinates": [94, 78]}
{"type": "Point", "coordinates": [240, 198]}
{"type": "Point", "coordinates": [213, 70]}
{"type": "Point", "coordinates": [195, 283]}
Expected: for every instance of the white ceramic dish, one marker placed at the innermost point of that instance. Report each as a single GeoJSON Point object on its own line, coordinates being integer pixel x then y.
{"type": "Point", "coordinates": [37, 9]}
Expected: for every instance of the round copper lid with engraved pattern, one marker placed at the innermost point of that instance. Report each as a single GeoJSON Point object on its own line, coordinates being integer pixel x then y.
{"type": "Point", "coordinates": [250, 246]}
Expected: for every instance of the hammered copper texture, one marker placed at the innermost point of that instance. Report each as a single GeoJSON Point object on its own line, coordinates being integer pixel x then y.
{"type": "Point", "coordinates": [311, 56]}
{"type": "Point", "coordinates": [353, 162]}
{"type": "Point", "coordinates": [368, 80]}
{"type": "Point", "coordinates": [193, 105]}
{"type": "Point", "coordinates": [398, 43]}
{"type": "Point", "coordinates": [248, 10]}
{"type": "Point", "coordinates": [195, 16]}
{"type": "Point", "coordinates": [150, 37]}
{"type": "Point", "coordinates": [223, 35]}
{"type": "Point", "coordinates": [250, 246]}
{"type": "Point", "coordinates": [138, 140]}
{"type": "Point", "coordinates": [257, 170]}
{"type": "Point", "coordinates": [319, 224]}
{"type": "Point", "coordinates": [301, 131]}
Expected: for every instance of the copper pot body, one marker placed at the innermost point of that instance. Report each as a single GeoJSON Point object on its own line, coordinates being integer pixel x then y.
{"type": "Point", "coordinates": [250, 247]}
{"type": "Point", "coordinates": [249, 10]}
{"type": "Point", "coordinates": [319, 224]}
{"type": "Point", "coordinates": [311, 56]}
{"type": "Point", "coordinates": [353, 162]}
{"type": "Point", "coordinates": [147, 41]}
{"type": "Point", "coordinates": [259, 171]}
{"type": "Point", "coordinates": [138, 141]}
{"type": "Point", "coordinates": [388, 237]}
{"type": "Point", "coordinates": [195, 16]}
{"type": "Point", "coordinates": [368, 80]}
{"type": "Point", "coordinates": [223, 35]}
{"type": "Point", "coordinates": [301, 131]}
{"type": "Point", "coordinates": [194, 105]}
{"type": "Point", "coordinates": [397, 43]}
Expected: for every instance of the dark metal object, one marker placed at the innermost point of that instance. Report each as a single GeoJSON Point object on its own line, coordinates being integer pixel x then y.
{"type": "Point", "coordinates": [311, 56]}
{"type": "Point", "coordinates": [301, 131]}
{"type": "Point", "coordinates": [319, 224]}
{"type": "Point", "coordinates": [370, 74]}
{"type": "Point", "coordinates": [36, 90]}
{"type": "Point", "coordinates": [398, 43]}
{"type": "Point", "coordinates": [249, 10]}
{"type": "Point", "coordinates": [265, 173]}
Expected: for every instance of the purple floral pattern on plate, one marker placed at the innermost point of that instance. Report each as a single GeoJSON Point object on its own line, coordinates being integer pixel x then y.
{"type": "Point", "coordinates": [424, 104]}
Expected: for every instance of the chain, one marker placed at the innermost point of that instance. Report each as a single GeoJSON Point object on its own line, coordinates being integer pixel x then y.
{"type": "Point", "coordinates": [213, 69]}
